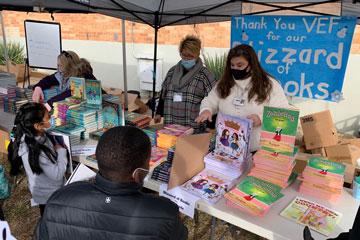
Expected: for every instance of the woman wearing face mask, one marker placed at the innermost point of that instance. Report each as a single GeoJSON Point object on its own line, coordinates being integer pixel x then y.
{"type": "Point", "coordinates": [185, 85]}
{"type": "Point", "coordinates": [243, 91]}
{"type": "Point", "coordinates": [69, 65]}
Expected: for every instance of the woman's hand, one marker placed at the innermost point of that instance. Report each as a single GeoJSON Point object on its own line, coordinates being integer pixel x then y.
{"type": "Point", "coordinates": [57, 146]}
{"type": "Point", "coordinates": [157, 118]}
{"type": "Point", "coordinates": [38, 95]}
{"type": "Point", "coordinates": [205, 115]}
{"type": "Point", "coordinates": [255, 118]}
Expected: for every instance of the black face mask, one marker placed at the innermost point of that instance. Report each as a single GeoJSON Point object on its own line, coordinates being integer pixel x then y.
{"type": "Point", "coordinates": [239, 74]}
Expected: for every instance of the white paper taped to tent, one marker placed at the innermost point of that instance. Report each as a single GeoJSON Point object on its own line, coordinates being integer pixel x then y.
{"type": "Point", "coordinates": [43, 43]}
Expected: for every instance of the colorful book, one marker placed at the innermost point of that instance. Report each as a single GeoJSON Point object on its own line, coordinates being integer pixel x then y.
{"type": "Point", "coordinates": [77, 86]}
{"type": "Point", "coordinates": [93, 92]}
{"type": "Point", "coordinates": [208, 186]}
{"type": "Point", "coordinates": [279, 126]}
{"type": "Point", "coordinates": [316, 216]}
{"type": "Point", "coordinates": [233, 136]}
{"type": "Point", "coordinates": [111, 113]}
{"type": "Point", "coordinates": [254, 196]}
{"type": "Point", "coordinates": [157, 154]}
{"type": "Point", "coordinates": [324, 172]}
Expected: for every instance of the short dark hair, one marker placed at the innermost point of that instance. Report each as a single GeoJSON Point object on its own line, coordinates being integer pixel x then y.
{"type": "Point", "coordinates": [121, 150]}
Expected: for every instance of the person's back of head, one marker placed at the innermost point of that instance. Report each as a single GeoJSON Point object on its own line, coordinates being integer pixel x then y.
{"type": "Point", "coordinates": [73, 65]}
{"type": "Point", "coordinates": [123, 154]}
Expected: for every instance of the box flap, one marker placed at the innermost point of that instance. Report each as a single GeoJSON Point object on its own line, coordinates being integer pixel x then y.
{"type": "Point", "coordinates": [189, 158]}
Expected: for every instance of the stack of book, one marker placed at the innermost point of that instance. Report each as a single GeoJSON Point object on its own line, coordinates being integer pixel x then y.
{"type": "Point", "coordinates": [96, 135]}
{"type": "Point", "coordinates": [74, 131]}
{"type": "Point", "coordinates": [161, 173]}
{"type": "Point", "coordinates": [166, 138]}
{"type": "Point", "coordinates": [275, 167]}
{"type": "Point", "coordinates": [322, 178]}
{"type": "Point", "coordinates": [208, 186]}
{"type": "Point", "coordinates": [12, 104]}
{"type": "Point", "coordinates": [186, 130]}
{"type": "Point", "coordinates": [85, 117]}
{"type": "Point", "coordinates": [157, 155]}
{"type": "Point", "coordinates": [24, 93]}
{"type": "Point", "coordinates": [51, 92]}
{"type": "Point", "coordinates": [151, 132]}
{"type": "Point", "coordinates": [232, 168]}
{"type": "Point", "coordinates": [7, 87]}
{"type": "Point", "coordinates": [275, 160]}
{"type": "Point", "coordinates": [137, 120]}
{"type": "Point", "coordinates": [254, 196]}
{"type": "Point", "coordinates": [60, 110]}
{"type": "Point", "coordinates": [231, 149]}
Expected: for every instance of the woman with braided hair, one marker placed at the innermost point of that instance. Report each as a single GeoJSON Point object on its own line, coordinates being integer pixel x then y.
{"type": "Point", "coordinates": [43, 158]}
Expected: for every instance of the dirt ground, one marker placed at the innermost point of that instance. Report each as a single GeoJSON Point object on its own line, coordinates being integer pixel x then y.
{"type": "Point", "coordinates": [22, 218]}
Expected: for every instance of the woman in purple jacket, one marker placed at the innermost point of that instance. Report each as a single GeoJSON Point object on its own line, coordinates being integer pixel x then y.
{"type": "Point", "coordinates": [69, 65]}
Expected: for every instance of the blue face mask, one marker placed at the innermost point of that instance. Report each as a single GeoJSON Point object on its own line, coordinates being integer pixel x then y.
{"type": "Point", "coordinates": [52, 123]}
{"type": "Point", "coordinates": [188, 64]}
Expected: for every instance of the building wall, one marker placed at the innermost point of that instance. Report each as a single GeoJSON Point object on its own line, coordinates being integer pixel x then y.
{"type": "Point", "coordinates": [98, 38]}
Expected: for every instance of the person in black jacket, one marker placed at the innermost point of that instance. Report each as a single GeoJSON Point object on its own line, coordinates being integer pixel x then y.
{"type": "Point", "coordinates": [113, 207]}
{"type": "Point", "coordinates": [69, 65]}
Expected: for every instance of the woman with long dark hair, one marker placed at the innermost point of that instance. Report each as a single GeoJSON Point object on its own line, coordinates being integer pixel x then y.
{"type": "Point", "coordinates": [43, 158]}
{"type": "Point", "coordinates": [243, 91]}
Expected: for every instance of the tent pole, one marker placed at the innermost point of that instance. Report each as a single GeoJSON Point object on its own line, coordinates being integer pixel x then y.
{"type": "Point", "coordinates": [4, 40]}
{"type": "Point", "coordinates": [124, 63]}
{"type": "Point", "coordinates": [155, 58]}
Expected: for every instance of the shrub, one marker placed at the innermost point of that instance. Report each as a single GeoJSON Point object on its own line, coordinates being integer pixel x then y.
{"type": "Point", "coordinates": [15, 52]}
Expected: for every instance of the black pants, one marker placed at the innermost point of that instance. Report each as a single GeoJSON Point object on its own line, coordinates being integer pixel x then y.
{"type": "Point", "coordinates": [42, 209]}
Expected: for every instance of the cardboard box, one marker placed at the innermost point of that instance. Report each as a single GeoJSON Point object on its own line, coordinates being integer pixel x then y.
{"type": "Point", "coordinates": [134, 103]}
{"type": "Point", "coordinates": [344, 153]}
{"type": "Point", "coordinates": [319, 130]}
{"type": "Point", "coordinates": [18, 70]}
{"type": "Point", "coordinates": [320, 151]}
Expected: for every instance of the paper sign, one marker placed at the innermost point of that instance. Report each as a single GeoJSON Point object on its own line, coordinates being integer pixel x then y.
{"type": "Point", "coordinates": [184, 200]}
{"type": "Point", "coordinates": [3, 90]}
{"type": "Point", "coordinates": [308, 54]}
{"type": "Point", "coordinates": [83, 150]}
{"type": "Point", "coordinates": [5, 231]}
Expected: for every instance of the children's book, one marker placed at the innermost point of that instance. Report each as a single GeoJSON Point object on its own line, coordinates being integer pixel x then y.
{"type": "Point", "coordinates": [279, 126]}
{"type": "Point", "coordinates": [233, 136]}
{"type": "Point", "coordinates": [317, 217]}
{"type": "Point", "coordinates": [255, 195]}
{"type": "Point", "coordinates": [77, 86]}
{"type": "Point", "coordinates": [325, 172]}
{"type": "Point", "coordinates": [208, 186]}
{"type": "Point", "coordinates": [93, 92]}
{"type": "Point", "coordinates": [111, 113]}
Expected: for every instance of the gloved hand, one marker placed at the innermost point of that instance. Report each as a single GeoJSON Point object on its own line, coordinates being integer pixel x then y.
{"type": "Point", "coordinates": [38, 95]}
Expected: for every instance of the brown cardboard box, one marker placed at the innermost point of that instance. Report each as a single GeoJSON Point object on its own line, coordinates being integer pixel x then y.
{"type": "Point", "coordinates": [320, 151]}
{"type": "Point", "coordinates": [319, 130]}
{"type": "Point", "coordinates": [344, 153]}
{"type": "Point", "coordinates": [17, 69]}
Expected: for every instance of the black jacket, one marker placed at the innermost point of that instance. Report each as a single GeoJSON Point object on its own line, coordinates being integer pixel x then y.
{"type": "Point", "coordinates": [108, 210]}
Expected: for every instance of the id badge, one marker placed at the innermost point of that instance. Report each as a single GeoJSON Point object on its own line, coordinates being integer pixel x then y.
{"type": "Point", "coordinates": [177, 97]}
{"type": "Point", "coordinates": [239, 101]}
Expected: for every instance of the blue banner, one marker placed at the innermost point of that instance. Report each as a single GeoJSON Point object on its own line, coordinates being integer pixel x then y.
{"type": "Point", "coordinates": [307, 54]}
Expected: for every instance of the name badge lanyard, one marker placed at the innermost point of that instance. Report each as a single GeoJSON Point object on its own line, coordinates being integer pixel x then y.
{"type": "Point", "coordinates": [241, 99]}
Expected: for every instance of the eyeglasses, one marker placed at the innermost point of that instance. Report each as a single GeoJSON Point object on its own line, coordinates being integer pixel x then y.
{"type": "Point", "coordinates": [184, 56]}
{"type": "Point", "coordinates": [67, 54]}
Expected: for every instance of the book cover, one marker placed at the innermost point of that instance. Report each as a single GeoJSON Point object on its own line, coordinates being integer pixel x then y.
{"type": "Point", "coordinates": [325, 171]}
{"type": "Point", "coordinates": [258, 192]}
{"type": "Point", "coordinates": [233, 136]}
{"type": "Point", "coordinates": [77, 88]}
{"type": "Point", "coordinates": [208, 186]}
{"type": "Point", "coordinates": [317, 217]}
{"type": "Point", "coordinates": [110, 114]}
{"type": "Point", "coordinates": [279, 126]}
{"type": "Point", "coordinates": [93, 91]}
{"type": "Point", "coordinates": [81, 173]}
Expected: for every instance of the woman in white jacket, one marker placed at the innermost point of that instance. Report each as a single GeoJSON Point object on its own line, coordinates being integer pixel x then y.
{"type": "Point", "coordinates": [243, 91]}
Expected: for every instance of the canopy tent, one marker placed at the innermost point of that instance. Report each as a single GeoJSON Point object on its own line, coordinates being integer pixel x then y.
{"type": "Point", "coordinates": [161, 13]}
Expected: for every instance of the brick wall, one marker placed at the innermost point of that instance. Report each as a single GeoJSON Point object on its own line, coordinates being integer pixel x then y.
{"type": "Point", "coordinates": [96, 27]}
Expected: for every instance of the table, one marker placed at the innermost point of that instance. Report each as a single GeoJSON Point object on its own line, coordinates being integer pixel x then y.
{"type": "Point", "coordinates": [272, 226]}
